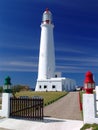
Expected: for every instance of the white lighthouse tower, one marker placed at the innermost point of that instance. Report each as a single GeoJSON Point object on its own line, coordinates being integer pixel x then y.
{"type": "Point", "coordinates": [48, 79]}
{"type": "Point", "coordinates": [46, 56]}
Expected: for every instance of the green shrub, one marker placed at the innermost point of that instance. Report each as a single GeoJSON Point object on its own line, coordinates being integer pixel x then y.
{"type": "Point", "coordinates": [86, 126]}
{"type": "Point", "coordinates": [18, 88]}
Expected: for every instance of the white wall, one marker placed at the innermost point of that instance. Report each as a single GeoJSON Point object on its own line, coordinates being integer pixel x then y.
{"type": "Point", "coordinates": [49, 84]}
{"type": "Point", "coordinates": [59, 74]}
{"type": "Point", "coordinates": [61, 84]}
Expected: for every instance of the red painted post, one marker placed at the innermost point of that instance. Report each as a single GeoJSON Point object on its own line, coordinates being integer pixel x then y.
{"type": "Point", "coordinates": [80, 102]}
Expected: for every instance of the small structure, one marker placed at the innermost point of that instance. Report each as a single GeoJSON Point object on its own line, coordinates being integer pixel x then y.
{"type": "Point", "coordinates": [90, 100]}
{"type": "Point", "coordinates": [6, 97]}
{"type": "Point", "coordinates": [89, 83]}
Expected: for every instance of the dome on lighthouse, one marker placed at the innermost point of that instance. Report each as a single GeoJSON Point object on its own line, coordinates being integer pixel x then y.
{"type": "Point", "coordinates": [89, 73]}
{"type": "Point", "coordinates": [7, 81]}
{"type": "Point", "coordinates": [89, 77]}
{"type": "Point", "coordinates": [47, 16]}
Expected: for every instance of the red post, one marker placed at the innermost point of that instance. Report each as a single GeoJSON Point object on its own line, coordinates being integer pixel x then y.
{"type": "Point", "coordinates": [80, 102]}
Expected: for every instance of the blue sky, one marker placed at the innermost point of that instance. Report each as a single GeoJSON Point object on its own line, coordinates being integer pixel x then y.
{"type": "Point", "coordinates": [75, 38]}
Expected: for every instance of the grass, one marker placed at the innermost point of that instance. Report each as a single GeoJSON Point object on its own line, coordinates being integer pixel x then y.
{"type": "Point", "coordinates": [93, 126]}
{"type": "Point", "coordinates": [49, 97]}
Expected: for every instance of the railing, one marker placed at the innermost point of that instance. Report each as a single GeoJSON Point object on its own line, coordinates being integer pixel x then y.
{"type": "Point", "coordinates": [28, 108]}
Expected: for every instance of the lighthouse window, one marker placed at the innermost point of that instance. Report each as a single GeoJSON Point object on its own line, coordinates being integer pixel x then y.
{"type": "Point", "coordinates": [45, 86]}
{"type": "Point", "coordinates": [40, 86]}
{"type": "Point", "coordinates": [56, 76]}
{"type": "Point", "coordinates": [53, 86]}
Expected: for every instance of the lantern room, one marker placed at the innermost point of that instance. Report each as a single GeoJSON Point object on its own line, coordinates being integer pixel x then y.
{"type": "Point", "coordinates": [89, 83]}
{"type": "Point", "coordinates": [7, 85]}
{"type": "Point", "coordinates": [47, 17]}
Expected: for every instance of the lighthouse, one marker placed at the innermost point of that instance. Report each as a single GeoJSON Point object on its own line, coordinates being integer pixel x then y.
{"type": "Point", "coordinates": [48, 79]}
{"type": "Point", "coordinates": [46, 57]}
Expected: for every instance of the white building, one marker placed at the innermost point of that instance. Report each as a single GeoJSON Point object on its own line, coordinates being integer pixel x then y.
{"type": "Point", "coordinates": [48, 79]}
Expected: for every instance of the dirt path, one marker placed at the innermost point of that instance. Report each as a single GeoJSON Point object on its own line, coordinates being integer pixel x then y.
{"type": "Point", "coordinates": [65, 108]}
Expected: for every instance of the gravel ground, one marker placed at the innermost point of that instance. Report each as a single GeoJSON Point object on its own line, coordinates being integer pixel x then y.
{"type": "Point", "coordinates": [46, 124]}
{"type": "Point", "coordinates": [65, 108]}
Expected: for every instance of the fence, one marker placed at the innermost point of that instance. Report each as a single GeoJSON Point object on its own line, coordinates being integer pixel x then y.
{"type": "Point", "coordinates": [28, 108]}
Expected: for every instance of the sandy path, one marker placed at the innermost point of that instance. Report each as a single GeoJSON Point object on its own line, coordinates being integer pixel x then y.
{"type": "Point", "coordinates": [65, 108]}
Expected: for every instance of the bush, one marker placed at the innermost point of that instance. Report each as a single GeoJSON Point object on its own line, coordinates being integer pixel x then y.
{"type": "Point", "coordinates": [18, 88]}
{"type": "Point", "coordinates": [86, 126]}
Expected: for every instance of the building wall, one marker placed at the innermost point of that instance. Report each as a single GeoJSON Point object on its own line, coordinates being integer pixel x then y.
{"type": "Point", "coordinates": [57, 74]}
{"type": "Point", "coordinates": [55, 84]}
{"type": "Point", "coordinates": [49, 85]}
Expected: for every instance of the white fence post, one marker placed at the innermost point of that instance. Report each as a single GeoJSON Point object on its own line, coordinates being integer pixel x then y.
{"type": "Point", "coordinates": [6, 104]}
{"type": "Point", "coordinates": [88, 108]}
